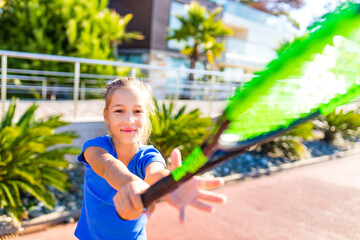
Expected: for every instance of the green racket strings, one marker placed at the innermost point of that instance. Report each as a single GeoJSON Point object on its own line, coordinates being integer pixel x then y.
{"type": "Point", "coordinates": [323, 80]}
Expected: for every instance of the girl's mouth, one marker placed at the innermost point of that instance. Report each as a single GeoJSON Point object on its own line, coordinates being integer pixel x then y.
{"type": "Point", "coordinates": [128, 130]}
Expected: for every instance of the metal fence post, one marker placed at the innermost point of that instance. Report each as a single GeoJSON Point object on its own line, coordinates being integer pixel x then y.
{"type": "Point", "coordinates": [211, 93]}
{"type": "Point", "coordinates": [82, 90]}
{"type": "Point", "coordinates": [133, 72]}
{"type": "Point", "coordinates": [3, 82]}
{"type": "Point", "coordinates": [76, 87]}
{"type": "Point", "coordinates": [44, 90]}
{"type": "Point", "coordinates": [177, 87]}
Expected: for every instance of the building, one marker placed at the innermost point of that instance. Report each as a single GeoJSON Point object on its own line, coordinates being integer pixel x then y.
{"type": "Point", "coordinates": [256, 34]}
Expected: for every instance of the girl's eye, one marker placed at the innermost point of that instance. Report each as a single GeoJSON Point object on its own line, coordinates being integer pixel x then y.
{"type": "Point", "coordinates": [119, 111]}
{"type": "Point", "coordinates": [138, 111]}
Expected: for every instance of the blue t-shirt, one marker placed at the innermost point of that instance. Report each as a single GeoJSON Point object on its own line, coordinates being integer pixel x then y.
{"type": "Point", "coordinates": [98, 219]}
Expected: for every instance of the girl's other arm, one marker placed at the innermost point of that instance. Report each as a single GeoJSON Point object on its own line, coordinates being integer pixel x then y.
{"type": "Point", "coordinates": [154, 172]}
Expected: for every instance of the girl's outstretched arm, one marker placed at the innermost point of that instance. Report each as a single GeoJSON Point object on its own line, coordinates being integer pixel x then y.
{"type": "Point", "coordinates": [127, 200]}
{"type": "Point", "coordinates": [190, 193]}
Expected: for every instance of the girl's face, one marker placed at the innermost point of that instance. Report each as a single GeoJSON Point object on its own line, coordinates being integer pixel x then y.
{"type": "Point", "coordinates": [126, 115]}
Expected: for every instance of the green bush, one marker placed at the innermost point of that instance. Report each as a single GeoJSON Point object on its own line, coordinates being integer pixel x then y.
{"type": "Point", "coordinates": [77, 28]}
{"type": "Point", "coordinates": [30, 161]}
{"type": "Point", "coordinates": [345, 125]}
{"type": "Point", "coordinates": [289, 146]}
{"type": "Point", "coordinates": [177, 130]}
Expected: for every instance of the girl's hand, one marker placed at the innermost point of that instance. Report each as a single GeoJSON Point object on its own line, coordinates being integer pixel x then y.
{"type": "Point", "coordinates": [127, 200]}
{"type": "Point", "coordinates": [191, 193]}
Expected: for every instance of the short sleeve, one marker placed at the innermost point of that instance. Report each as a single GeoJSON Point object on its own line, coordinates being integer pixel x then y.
{"type": "Point", "coordinates": [103, 142]}
{"type": "Point", "coordinates": [148, 154]}
{"type": "Point", "coordinates": [152, 155]}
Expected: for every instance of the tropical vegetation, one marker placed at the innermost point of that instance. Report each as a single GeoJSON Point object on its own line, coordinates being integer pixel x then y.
{"type": "Point", "coordinates": [340, 124]}
{"type": "Point", "coordinates": [200, 31]}
{"type": "Point", "coordinates": [31, 159]}
{"type": "Point", "coordinates": [177, 129]}
{"type": "Point", "coordinates": [78, 28]}
{"type": "Point", "coordinates": [289, 146]}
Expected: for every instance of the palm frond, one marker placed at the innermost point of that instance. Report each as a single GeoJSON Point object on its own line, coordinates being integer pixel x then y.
{"type": "Point", "coordinates": [340, 123]}
{"type": "Point", "coordinates": [9, 115]}
{"type": "Point", "coordinates": [27, 117]}
{"type": "Point", "coordinates": [8, 194]}
{"type": "Point", "coordinates": [31, 159]}
{"type": "Point", "coordinates": [178, 129]}
{"type": "Point", "coordinates": [289, 146]}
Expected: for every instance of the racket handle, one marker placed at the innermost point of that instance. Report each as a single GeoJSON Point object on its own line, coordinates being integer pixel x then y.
{"type": "Point", "coordinates": [158, 190]}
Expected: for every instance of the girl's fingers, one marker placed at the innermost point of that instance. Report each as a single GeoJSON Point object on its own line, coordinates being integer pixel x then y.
{"type": "Point", "coordinates": [175, 159]}
{"type": "Point", "coordinates": [212, 197]}
{"type": "Point", "coordinates": [191, 193]}
{"type": "Point", "coordinates": [127, 200]}
{"type": "Point", "coordinates": [136, 203]}
{"type": "Point", "coordinates": [203, 206]}
{"type": "Point", "coordinates": [209, 183]}
{"type": "Point", "coordinates": [149, 210]}
{"type": "Point", "coordinates": [182, 215]}
{"type": "Point", "coordinates": [121, 204]}
{"type": "Point", "coordinates": [135, 188]}
{"type": "Point", "coordinates": [116, 203]}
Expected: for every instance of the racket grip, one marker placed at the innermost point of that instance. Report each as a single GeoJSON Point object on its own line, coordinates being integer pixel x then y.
{"type": "Point", "coordinates": [158, 190]}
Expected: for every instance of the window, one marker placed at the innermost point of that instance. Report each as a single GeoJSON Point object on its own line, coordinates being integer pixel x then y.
{"type": "Point", "coordinates": [176, 8]}
{"type": "Point", "coordinates": [131, 57]}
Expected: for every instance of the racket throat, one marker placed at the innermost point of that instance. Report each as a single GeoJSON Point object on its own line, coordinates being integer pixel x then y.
{"type": "Point", "coordinates": [210, 145]}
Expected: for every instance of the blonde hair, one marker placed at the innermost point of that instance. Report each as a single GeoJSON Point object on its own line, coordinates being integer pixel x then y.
{"type": "Point", "coordinates": [147, 93]}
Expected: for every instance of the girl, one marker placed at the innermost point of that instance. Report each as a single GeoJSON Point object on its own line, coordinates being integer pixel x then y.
{"type": "Point", "coordinates": [118, 168]}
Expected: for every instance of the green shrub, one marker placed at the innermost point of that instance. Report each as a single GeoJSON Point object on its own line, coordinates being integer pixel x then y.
{"type": "Point", "coordinates": [30, 161]}
{"type": "Point", "coordinates": [177, 130]}
{"type": "Point", "coordinates": [289, 146]}
{"type": "Point", "coordinates": [345, 125]}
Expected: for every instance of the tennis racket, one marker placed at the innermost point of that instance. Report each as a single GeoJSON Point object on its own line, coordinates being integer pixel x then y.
{"type": "Point", "coordinates": [313, 76]}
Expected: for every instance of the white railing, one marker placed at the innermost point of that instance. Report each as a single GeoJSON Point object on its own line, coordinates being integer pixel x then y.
{"type": "Point", "coordinates": [167, 82]}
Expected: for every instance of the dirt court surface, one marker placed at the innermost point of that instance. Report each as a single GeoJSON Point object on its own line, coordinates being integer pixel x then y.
{"type": "Point", "coordinates": [320, 201]}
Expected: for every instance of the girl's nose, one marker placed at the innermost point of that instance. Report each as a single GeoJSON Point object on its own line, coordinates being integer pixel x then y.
{"type": "Point", "coordinates": [129, 118]}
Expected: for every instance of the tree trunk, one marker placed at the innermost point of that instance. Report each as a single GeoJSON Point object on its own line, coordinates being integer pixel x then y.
{"type": "Point", "coordinates": [329, 136]}
{"type": "Point", "coordinates": [193, 59]}
{"type": "Point", "coordinates": [192, 66]}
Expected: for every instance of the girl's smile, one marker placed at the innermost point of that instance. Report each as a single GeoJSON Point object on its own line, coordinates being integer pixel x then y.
{"type": "Point", "coordinates": [128, 130]}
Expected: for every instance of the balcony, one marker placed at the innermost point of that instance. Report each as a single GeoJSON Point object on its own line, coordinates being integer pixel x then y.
{"type": "Point", "coordinates": [242, 11]}
{"type": "Point", "coordinates": [246, 53]}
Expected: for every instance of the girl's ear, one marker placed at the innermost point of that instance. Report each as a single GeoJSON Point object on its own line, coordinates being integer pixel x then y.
{"type": "Point", "coordinates": [105, 116]}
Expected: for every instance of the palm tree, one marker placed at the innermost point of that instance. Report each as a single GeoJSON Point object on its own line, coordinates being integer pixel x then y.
{"type": "Point", "coordinates": [277, 7]}
{"type": "Point", "coordinates": [123, 35]}
{"type": "Point", "coordinates": [177, 129]}
{"type": "Point", "coordinates": [344, 124]}
{"type": "Point", "coordinates": [290, 145]}
{"type": "Point", "coordinates": [29, 160]}
{"type": "Point", "coordinates": [199, 30]}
